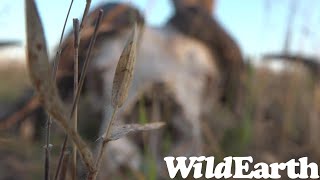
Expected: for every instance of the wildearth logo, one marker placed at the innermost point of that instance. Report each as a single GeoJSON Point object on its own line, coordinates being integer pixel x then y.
{"type": "Point", "coordinates": [300, 169]}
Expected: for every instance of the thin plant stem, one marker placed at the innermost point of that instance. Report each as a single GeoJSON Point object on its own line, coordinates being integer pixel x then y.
{"type": "Point", "coordinates": [64, 166]}
{"type": "Point", "coordinates": [86, 62]}
{"type": "Point", "coordinates": [49, 122]}
{"type": "Point", "coordinates": [86, 10]}
{"type": "Point", "coordinates": [105, 140]}
{"type": "Point", "coordinates": [47, 151]}
{"type": "Point", "coordinates": [76, 28]}
{"type": "Point", "coordinates": [61, 157]}
{"type": "Point", "coordinates": [79, 85]}
{"type": "Point", "coordinates": [58, 54]}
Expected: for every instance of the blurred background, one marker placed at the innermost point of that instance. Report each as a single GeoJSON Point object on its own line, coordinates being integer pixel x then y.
{"type": "Point", "coordinates": [258, 26]}
{"type": "Point", "coordinates": [279, 40]}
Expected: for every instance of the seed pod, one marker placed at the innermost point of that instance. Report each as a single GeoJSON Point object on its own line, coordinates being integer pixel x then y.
{"type": "Point", "coordinates": [124, 71]}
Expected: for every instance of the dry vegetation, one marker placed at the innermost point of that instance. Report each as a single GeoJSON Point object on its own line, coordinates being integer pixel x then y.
{"type": "Point", "coordinates": [278, 121]}
{"type": "Point", "coordinates": [277, 125]}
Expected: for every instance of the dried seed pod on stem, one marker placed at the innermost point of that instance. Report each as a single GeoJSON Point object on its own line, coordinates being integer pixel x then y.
{"type": "Point", "coordinates": [121, 83]}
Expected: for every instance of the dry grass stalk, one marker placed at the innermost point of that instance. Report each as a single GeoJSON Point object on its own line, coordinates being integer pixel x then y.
{"type": "Point", "coordinates": [85, 13]}
{"type": "Point", "coordinates": [79, 85]}
{"type": "Point", "coordinates": [61, 157]}
{"type": "Point", "coordinates": [58, 54]}
{"type": "Point", "coordinates": [86, 62]}
{"type": "Point", "coordinates": [55, 67]}
{"type": "Point", "coordinates": [76, 28]}
{"type": "Point", "coordinates": [76, 31]}
{"type": "Point", "coordinates": [77, 88]}
{"type": "Point", "coordinates": [64, 167]}
{"type": "Point", "coordinates": [40, 74]}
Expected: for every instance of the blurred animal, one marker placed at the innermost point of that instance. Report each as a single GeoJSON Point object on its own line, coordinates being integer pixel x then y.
{"type": "Point", "coordinates": [194, 18]}
{"type": "Point", "coordinates": [187, 57]}
{"type": "Point", "coordinates": [190, 18]}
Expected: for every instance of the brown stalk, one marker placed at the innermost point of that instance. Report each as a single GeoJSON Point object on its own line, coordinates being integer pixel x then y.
{"type": "Point", "coordinates": [61, 157]}
{"type": "Point", "coordinates": [49, 122]}
{"type": "Point", "coordinates": [64, 166]}
{"type": "Point", "coordinates": [79, 85]}
{"type": "Point", "coordinates": [85, 13]}
{"type": "Point", "coordinates": [86, 62]}
{"type": "Point", "coordinates": [93, 176]}
{"type": "Point", "coordinates": [76, 28]}
{"type": "Point", "coordinates": [56, 111]}
{"type": "Point", "coordinates": [40, 75]}
{"type": "Point", "coordinates": [58, 54]}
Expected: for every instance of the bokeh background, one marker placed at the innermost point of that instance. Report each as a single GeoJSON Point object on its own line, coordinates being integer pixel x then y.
{"type": "Point", "coordinates": [280, 120]}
